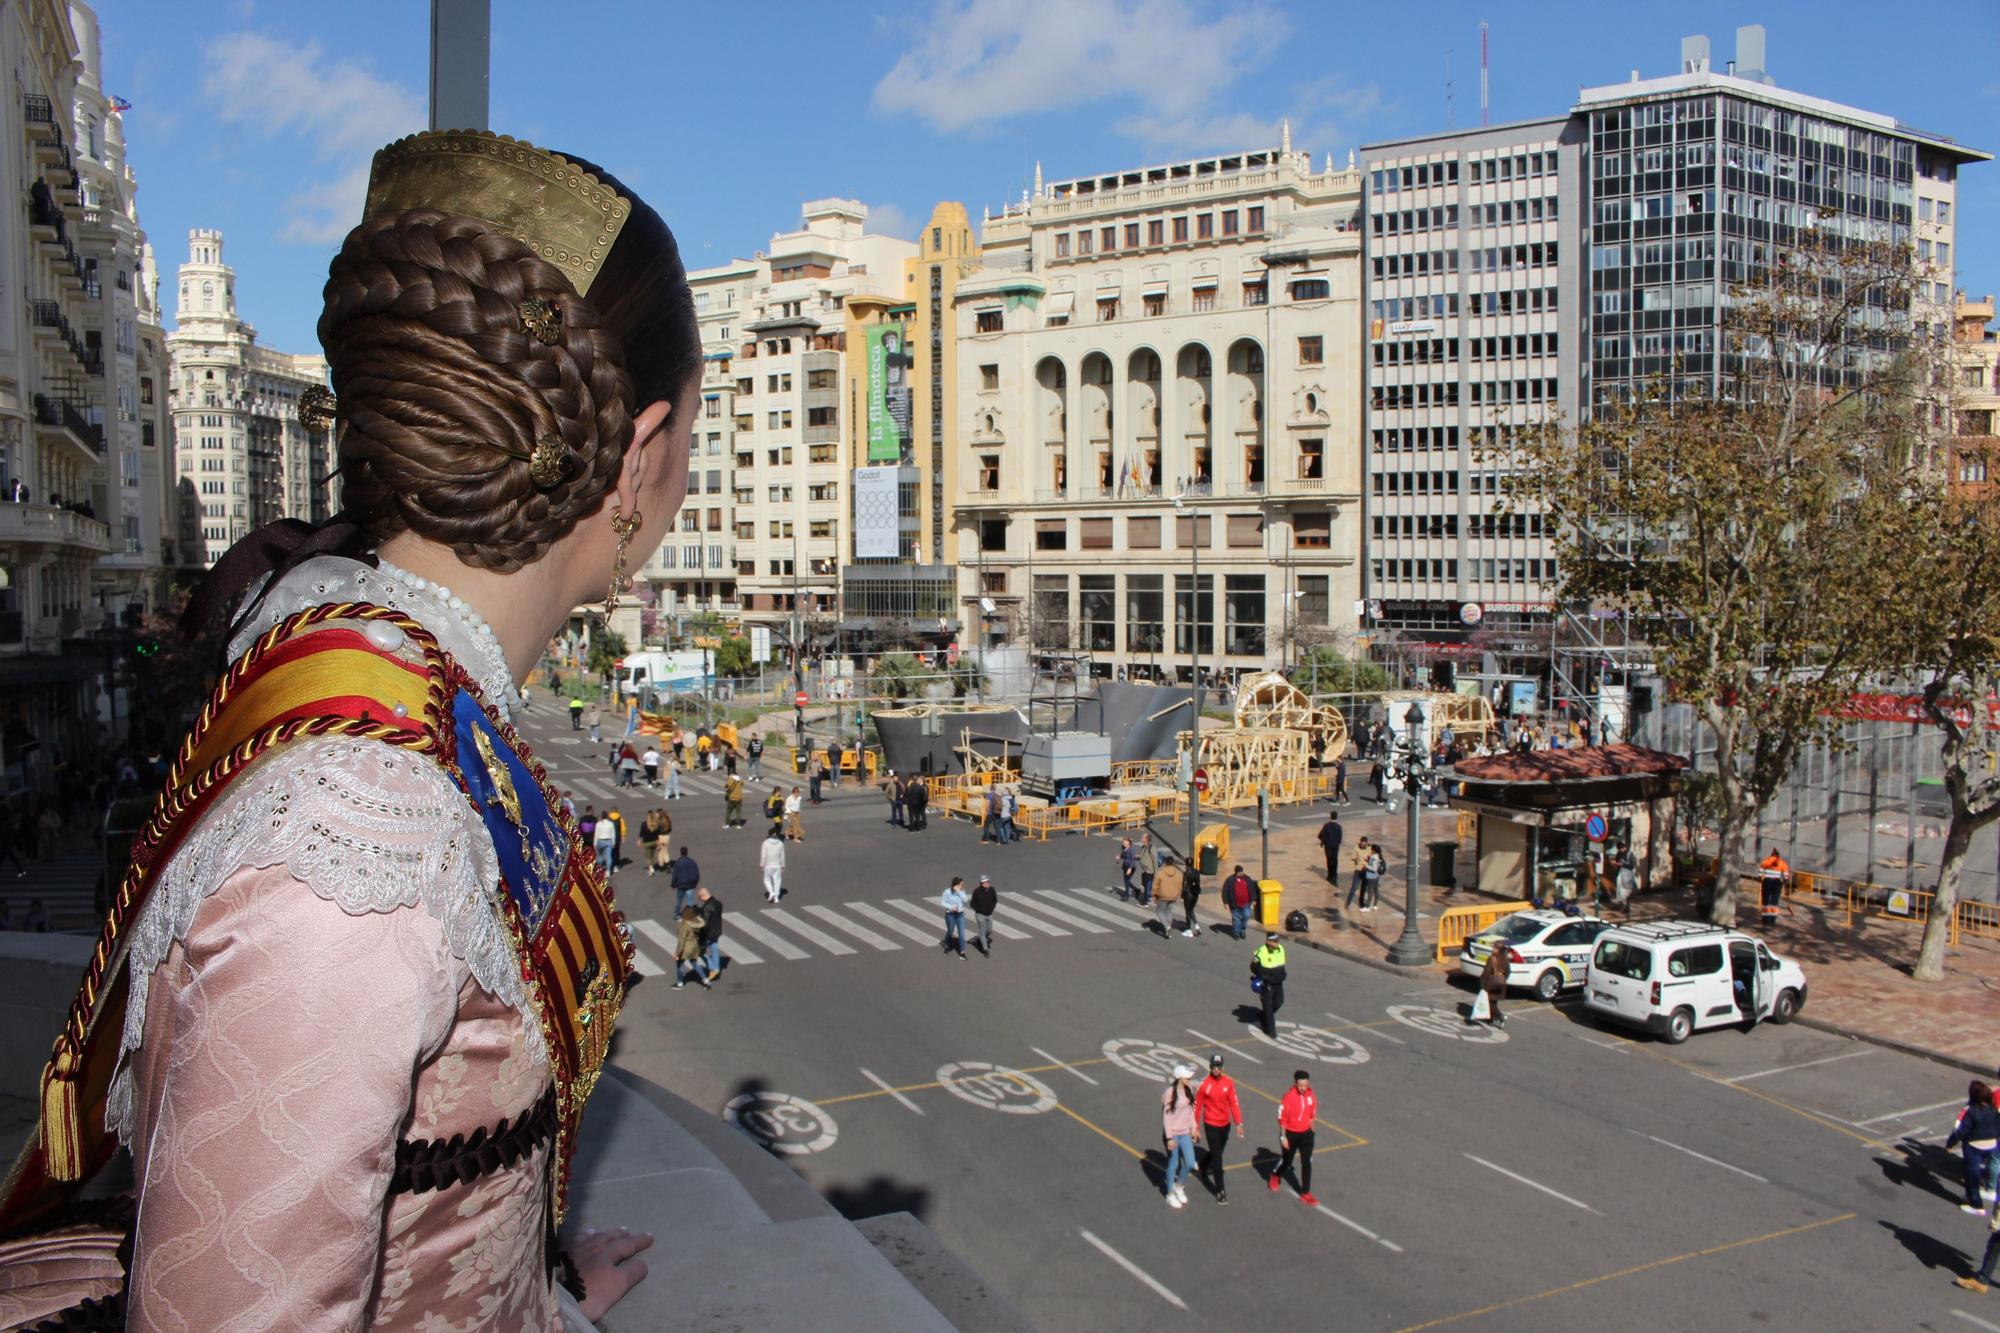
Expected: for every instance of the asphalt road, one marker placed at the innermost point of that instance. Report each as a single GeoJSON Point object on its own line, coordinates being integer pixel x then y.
{"type": "Point", "coordinates": [1555, 1175]}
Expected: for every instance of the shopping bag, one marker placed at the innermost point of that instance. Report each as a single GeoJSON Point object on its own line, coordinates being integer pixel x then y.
{"type": "Point", "coordinates": [1481, 1010]}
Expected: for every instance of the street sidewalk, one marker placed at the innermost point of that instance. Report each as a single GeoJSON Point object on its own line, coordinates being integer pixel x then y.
{"type": "Point", "coordinates": [1859, 976]}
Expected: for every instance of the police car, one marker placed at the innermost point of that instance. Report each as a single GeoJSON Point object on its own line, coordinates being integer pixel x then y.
{"type": "Point", "coordinates": [1548, 952]}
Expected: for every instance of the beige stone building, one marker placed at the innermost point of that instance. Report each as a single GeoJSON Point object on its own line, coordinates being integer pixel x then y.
{"type": "Point", "coordinates": [238, 437]}
{"type": "Point", "coordinates": [1188, 329]}
{"type": "Point", "coordinates": [1974, 462]}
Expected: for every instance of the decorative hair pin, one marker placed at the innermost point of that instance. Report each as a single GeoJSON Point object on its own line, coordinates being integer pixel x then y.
{"type": "Point", "coordinates": [542, 321]}
{"type": "Point", "coordinates": [317, 407]}
{"type": "Point", "coordinates": [549, 460]}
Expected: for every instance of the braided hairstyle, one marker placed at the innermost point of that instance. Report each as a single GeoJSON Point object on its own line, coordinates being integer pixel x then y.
{"type": "Point", "coordinates": [443, 395]}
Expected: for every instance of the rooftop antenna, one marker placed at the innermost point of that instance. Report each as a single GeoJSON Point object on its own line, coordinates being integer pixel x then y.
{"type": "Point", "coordinates": [1485, 89]}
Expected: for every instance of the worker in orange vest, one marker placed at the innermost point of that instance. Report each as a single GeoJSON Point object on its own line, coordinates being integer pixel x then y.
{"type": "Point", "coordinates": [1773, 872]}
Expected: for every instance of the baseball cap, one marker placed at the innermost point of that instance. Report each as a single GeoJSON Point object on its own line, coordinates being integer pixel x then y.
{"type": "Point", "coordinates": [1183, 1071]}
{"type": "Point", "coordinates": [1215, 1060]}
{"type": "Point", "coordinates": [984, 879]}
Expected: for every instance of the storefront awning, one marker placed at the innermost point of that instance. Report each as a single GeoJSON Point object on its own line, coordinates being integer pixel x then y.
{"type": "Point", "coordinates": [1061, 303]}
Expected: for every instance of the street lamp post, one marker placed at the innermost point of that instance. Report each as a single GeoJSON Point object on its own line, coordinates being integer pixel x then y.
{"type": "Point", "coordinates": [1409, 950]}
{"type": "Point", "coordinates": [1194, 654]}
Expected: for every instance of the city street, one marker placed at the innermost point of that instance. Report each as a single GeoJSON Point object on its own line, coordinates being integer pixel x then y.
{"type": "Point", "coordinates": [1554, 1174]}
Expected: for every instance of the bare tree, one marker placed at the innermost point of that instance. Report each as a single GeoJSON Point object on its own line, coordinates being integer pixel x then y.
{"type": "Point", "coordinates": [1738, 527]}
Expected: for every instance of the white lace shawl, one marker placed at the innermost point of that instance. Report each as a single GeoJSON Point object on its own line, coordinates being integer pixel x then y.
{"type": "Point", "coordinates": [363, 825]}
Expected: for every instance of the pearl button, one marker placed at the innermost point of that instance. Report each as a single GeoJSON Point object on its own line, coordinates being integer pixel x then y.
{"type": "Point", "coordinates": [384, 635]}
{"type": "Point", "coordinates": [401, 710]}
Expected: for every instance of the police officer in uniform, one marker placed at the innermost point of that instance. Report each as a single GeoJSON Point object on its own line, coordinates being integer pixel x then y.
{"type": "Point", "coordinates": [1268, 966]}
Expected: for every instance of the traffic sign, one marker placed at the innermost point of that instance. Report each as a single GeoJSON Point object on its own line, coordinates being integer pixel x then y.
{"type": "Point", "coordinates": [1594, 828]}
{"type": "Point", "coordinates": [799, 699]}
{"type": "Point", "coordinates": [1201, 779]}
{"type": "Point", "coordinates": [951, 652]}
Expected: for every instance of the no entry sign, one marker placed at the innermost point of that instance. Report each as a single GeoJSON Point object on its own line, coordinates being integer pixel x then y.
{"type": "Point", "coordinates": [1201, 779]}
{"type": "Point", "coordinates": [799, 699]}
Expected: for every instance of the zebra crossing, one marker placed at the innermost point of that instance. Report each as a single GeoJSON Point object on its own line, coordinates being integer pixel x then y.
{"type": "Point", "coordinates": [66, 884]}
{"type": "Point", "coordinates": [805, 933]}
{"type": "Point", "coordinates": [601, 790]}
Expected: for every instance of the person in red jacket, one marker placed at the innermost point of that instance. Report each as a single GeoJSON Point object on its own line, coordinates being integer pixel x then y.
{"type": "Point", "coordinates": [1238, 892]}
{"type": "Point", "coordinates": [1297, 1114]}
{"type": "Point", "coordinates": [1216, 1100]}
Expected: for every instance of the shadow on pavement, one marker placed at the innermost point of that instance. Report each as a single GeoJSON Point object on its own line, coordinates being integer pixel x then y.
{"type": "Point", "coordinates": [878, 1196]}
{"type": "Point", "coordinates": [1922, 1165]}
{"type": "Point", "coordinates": [1929, 1251]}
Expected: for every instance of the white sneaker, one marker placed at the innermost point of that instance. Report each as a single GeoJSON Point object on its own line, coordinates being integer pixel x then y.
{"type": "Point", "coordinates": [1181, 1190]}
{"type": "Point", "coordinates": [1972, 1208]}
{"type": "Point", "coordinates": [1173, 1200]}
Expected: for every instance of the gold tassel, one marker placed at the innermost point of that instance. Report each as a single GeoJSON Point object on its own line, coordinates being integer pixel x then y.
{"type": "Point", "coordinates": [62, 1116]}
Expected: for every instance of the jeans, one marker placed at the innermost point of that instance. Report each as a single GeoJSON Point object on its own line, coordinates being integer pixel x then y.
{"type": "Point", "coordinates": [1130, 888]}
{"type": "Point", "coordinates": [1992, 1256]}
{"type": "Point", "coordinates": [1353, 888]}
{"type": "Point", "coordinates": [683, 899]}
{"type": "Point", "coordinates": [756, 769]}
{"type": "Point", "coordinates": [674, 782]}
{"type": "Point", "coordinates": [712, 958]}
{"type": "Point", "coordinates": [814, 783]}
{"type": "Point", "coordinates": [982, 931]}
{"type": "Point", "coordinates": [597, 735]}
{"type": "Point", "coordinates": [1145, 886]}
{"type": "Point", "coordinates": [990, 830]}
{"type": "Point", "coordinates": [1211, 1165]}
{"type": "Point", "coordinates": [1163, 908]}
{"type": "Point", "coordinates": [1979, 1166]}
{"type": "Point", "coordinates": [1371, 890]}
{"type": "Point", "coordinates": [954, 932]}
{"type": "Point", "coordinates": [1180, 1160]}
{"type": "Point", "coordinates": [1298, 1142]}
{"type": "Point", "coordinates": [605, 855]}
{"type": "Point", "coordinates": [1239, 921]}
{"type": "Point", "coordinates": [1007, 833]}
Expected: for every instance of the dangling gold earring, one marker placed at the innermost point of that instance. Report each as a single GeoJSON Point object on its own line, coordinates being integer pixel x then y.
{"type": "Point", "coordinates": [625, 527]}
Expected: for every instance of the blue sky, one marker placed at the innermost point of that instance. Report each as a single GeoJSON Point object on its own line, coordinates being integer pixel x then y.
{"type": "Point", "coordinates": [258, 117]}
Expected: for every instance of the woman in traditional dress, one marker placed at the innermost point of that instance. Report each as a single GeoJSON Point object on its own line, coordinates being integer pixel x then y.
{"type": "Point", "coordinates": [359, 930]}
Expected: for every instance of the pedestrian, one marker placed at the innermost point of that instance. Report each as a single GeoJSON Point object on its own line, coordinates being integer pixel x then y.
{"type": "Point", "coordinates": [732, 802]}
{"type": "Point", "coordinates": [1492, 987]}
{"type": "Point", "coordinates": [771, 860]}
{"type": "Point", "coordinates": [617, 819]}
{"type": "Point", "coordinates": [36, 919]}
{"type": "Point", "coordinates": [650, 831]}
{"type": "Point", "coordinates": [774, 809]}
{"type": "Point", "coordinates": [587, 826]}
{"type": "Point", "coordinates": [650, 761]}
{"type": "Point", "coordinates": [1358, 861]}
{"type": "Point", "coordinates": [816, 767]}
{"type": "Point", "coordinates": [1340, 780]}
{"type": "Point", "coordinates": [688, 948]}
{"type": "Point", "coordinates": [1216, 1099]}
{"type": "Point", "coordinates": [1980, 1280]}
{"type": "Point", "coordinates": [1977, 1137]}
{"type": "Point", "coordinates": [984, 899]}
{"type": "Point", "coordinates": [1371, 877]}
{"type": "Point", "coordinates": [1237, 894]}
{"type": "Point", "coordinates": [1167, 886]}
{"type": "Point", "coordinates": [1010, 805]}
{"type": "Point", "coordinates": [833, 753]}
{"type": "Point", "coordinates": [989, 830]}
{"type": "Point", "coordinates": [604, 842]}
{"type": "Point", "coordinates": [1149, 867]}
{"type": "Point", "coordinates": [953, 902]}
{"type": "Point", "coordinates": [729, 759]}
{"type": "Point", "coordinates": [1627, 882]}
{"type": "Point", "coordinates": [1378, 777]}
{"type": "Point", "coordinates": [711, 931]}
{"type": "Point", "coordinates": [593, 718]}
{"type": "Point", "coordinates": [629, 767]}
{"type": "Point", "coordinates": [754, 752]}
{"type": "Point", "coordinates": [1297, 1114]}
{"type": "Point", "coordinates": [917, 803]}
{"type": "Point", "coordinates": [672, 764]}
{"type": "Point", "coordinates": [1128, 866]}
{"type": "Point", "coordinates": [1267, 968]}
{"type": "Point", "coordinates": [1330, 834]}
{"type": "Point", "coordinates": [1190, 894]}
{"type": "Point", "coordinates": [893, 789]}
{"type": "Point", "coordinates": [1772, 873]}
{"type": "Point", "coordinates": [576, 715]}
{"type": "Point", "coordinates": [681, 742]}
{"type": "Point", "coordinates": [685, 877]}
{"type": "Point", "coordinates": [795, 805]}
{"type": "Point", "coordinates": [9, 843]}
{"type": "Point", "coordinates": [568, 805]}
{"type": "Point", "coordinates": [1177, 1130]}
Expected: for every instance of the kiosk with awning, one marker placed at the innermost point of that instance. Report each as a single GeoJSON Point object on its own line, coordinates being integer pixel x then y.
{"type": "Point", "coordinates": [1546, 818]}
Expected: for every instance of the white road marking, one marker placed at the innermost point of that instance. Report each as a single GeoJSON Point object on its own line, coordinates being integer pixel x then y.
{"type": "Point", "coordinates": [1074, 901]}
{"type": "Point", "coordinates": [1066, 1068]}
{"type": "Point", "coordinates": [905, 1102]}
{"type": "Point", "coordinates": [1353, 1225]}
{"type": "Point", "coordinates": [1704, 1157]}
{"type": "Point", "coordinates": [887, 922]}
{"type": "Point", "coordinates": [862, 933]}
{"type": "Point", "coordinates": [923, 912]}
{"type": "Point", "coordinates": [1914, 1110]}
{"type": "Point", "coordinates": [779, 916]}
{"type": "Point", "coordinates": [1531, 1184]}
{"type": "Point", "coordinates": [1383, 1033]}
{"type": "Point", "coordinates": [1977, 1322]}
{"type": "Point", "coordinates": [646, 966]}
{"type": "Point", "coordinates": [1135, 1271]}
{"type": "Point", "coordinates": [1001, 928]}
{"type": "Point", "coordinates": [777, 944]}
{"type": "Point", "coordinates": [1225, 1046]}
{"type": "Point", "coordinates": [1808, 1064]}
{"type": "Point", "coordinates": [1059, 912]}
{"type": "Point", "coordinates": [1012, 907]}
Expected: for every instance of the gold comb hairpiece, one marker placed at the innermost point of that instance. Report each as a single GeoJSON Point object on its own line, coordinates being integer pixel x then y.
{"type": "Point", "coordinates": [565, 214]}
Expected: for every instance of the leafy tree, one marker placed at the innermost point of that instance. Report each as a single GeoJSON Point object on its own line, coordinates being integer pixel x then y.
{"type": "Point", "coordinates": [965, 677]}
{"type": "Point", "coordinates": [1326, 670]}
{"type": "Point", "coordinates": [896, 676]}
{"type": "Point", "coordinates": [606, 647]}
{"type": "Point", "coordinates": [732, 656]}
{"type": "Point", "coordinates": [1741, 531]}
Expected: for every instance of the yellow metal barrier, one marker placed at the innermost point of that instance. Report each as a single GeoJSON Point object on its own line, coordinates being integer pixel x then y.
{"type": "Point", "coordinates": [1456, 925]}
{"type": "Point", "coordinates": [1856, 899]}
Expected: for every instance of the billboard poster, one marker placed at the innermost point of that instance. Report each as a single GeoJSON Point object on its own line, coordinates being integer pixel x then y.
{"type": "Point", "coordinates": [876, 512]}
{"type": "Point", "coordinates": [888, 392]}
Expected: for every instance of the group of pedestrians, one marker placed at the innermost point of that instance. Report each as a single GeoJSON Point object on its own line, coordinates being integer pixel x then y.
{"type": "Point", "coordinates": [981, 902]}
{"type": "Point", "coordinates": [1212, 1110]}
{"type": "Point", "coordinates": [1977, 1137]}
{"type": "Point", "coordinates": [909, 802]}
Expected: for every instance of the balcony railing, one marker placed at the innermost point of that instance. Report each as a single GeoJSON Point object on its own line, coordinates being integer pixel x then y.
{"type": "Point", "coordinates": [37, 109]}
{"type": "Point", "coordinates": [47, 525]}
{"type": "Point", "coordinates": [64, 413]}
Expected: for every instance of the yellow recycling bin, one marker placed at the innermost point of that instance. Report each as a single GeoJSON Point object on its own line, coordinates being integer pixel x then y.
{"type": "Point", "coordinates": [1268, 910]}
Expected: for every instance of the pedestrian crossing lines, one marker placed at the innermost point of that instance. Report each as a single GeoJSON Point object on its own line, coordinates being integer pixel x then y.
{"type": "Point", "coordinates": [838, 930]}
{"type": "Point", "coordinates": [65, 883]}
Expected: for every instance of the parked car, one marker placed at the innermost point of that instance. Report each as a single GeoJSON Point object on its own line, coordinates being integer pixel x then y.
{"type": "Point", "coordinates": [1674, 978]}
{"type": "Point", "coordinates": [1549, 951]}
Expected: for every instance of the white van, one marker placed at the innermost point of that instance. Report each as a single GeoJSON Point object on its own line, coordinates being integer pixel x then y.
{"type": "Point", "coordinates": [1675, 977]}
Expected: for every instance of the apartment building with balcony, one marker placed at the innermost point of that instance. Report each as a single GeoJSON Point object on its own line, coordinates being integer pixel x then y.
{"type": "Point", "coordinates": [237, 434]}
{"type": "Point", "coordinates": [1187, 329]}
{"type": "Point", "coordinates": [1973, 463]}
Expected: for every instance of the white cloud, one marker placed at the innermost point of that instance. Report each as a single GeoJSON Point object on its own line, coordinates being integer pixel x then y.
{"type": "Point", "coordinates": [336, 110]}
{"type": "Point", "coordinates": [981, 61]}
{"type": "Point", "coordinates": [889, 220]}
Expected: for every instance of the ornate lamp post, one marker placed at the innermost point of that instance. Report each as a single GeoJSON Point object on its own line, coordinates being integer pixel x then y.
{"type": "Point", "coordinates": [1411, 766]}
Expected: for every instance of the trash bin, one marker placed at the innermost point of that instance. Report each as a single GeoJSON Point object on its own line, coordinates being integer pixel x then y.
{"type": "Point", "coordinates": [1444, 869]}
{"type": "Point", "coordinates": [1268, 913]}
{"type": "Point", "coordinates": [1211, 848]}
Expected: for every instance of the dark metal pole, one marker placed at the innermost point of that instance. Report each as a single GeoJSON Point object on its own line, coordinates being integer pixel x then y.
{"type": "Point", "coordinates": [1194, 650]}
{"type": "Point", "coordinates": [461, 56]}
{"type": "Point", "coordinates": [1409, 950]}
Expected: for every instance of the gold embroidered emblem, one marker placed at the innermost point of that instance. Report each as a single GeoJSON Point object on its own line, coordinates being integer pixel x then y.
{"type": "Point", "coordinates": [595, 1018]}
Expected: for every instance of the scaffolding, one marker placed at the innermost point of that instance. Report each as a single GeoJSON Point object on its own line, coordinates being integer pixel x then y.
{"type": "Point", "coordinates": [1244, 762]}
{"type": "Point", "coordinates": [1268, 700]}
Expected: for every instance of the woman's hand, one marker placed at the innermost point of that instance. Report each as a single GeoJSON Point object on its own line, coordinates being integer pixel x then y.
{"type": "Point", "coordinates": [605, 1262]}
